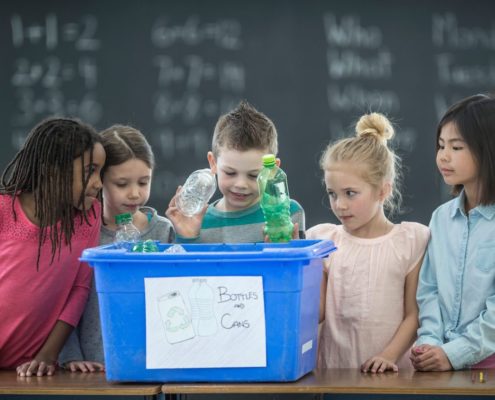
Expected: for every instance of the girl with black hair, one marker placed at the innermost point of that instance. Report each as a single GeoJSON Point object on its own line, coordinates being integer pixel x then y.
{"type": "Point", "coordinates": [49, 213]}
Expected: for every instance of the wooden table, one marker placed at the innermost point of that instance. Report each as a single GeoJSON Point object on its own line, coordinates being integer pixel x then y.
{"type": "Point", "coordinates": [351, 381]}
{"type": "Point", "coordinates": [66, 383]}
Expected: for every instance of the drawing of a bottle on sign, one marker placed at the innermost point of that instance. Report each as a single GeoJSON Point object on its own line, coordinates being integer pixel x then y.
{"type": "Point", "coordinates": [201, 297]}
{"type": "Point", "coordinates": [175, 318]}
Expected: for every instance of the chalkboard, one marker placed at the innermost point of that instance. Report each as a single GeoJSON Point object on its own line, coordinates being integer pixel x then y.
{"type": "Point", "coordinates": [170, 68]}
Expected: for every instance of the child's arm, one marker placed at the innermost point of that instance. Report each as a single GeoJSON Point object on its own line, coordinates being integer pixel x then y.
{"type": "Point", "coordinates": [46, 360]}
{"type": "Point", "coordinates": [430, 320]}
{"type": "Point", "coordinates": [406, 332]}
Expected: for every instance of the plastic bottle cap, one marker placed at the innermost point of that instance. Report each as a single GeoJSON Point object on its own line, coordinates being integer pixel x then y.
{"type": "Point", "coordinates": [123, 218]}
{"type": "Point", "coordinates": [269, 160]}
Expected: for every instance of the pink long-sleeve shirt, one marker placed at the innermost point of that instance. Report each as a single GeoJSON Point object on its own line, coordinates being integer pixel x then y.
{"type": "Point", "coordinates": [31, 300]}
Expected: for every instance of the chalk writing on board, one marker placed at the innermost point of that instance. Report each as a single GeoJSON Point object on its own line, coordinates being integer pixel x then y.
{"type": "Point", "coordinates": [194, 86]}
{"type": "Point", "coordinates": [458, 72]}
{"type": "Point", "coordinates": [350, 32]}
{"type": "Point", "coordinates": [447, 32]}
{"type": "Point", "coordinates": [359, 66]}
{"type": "Point", "coordinates": [225, 33]}
{"type": "Point", "coordinates": [51, 33]}
{"type": "Point", "coordinates": [46, 81]}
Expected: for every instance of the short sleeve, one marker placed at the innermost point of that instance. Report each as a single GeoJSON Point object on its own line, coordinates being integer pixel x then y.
{"type": "Point", "coordinates": [418, 236]}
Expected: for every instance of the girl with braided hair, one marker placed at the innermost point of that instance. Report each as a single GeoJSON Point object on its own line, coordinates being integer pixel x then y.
{"type": "Point", "coordinates": [49, 213]}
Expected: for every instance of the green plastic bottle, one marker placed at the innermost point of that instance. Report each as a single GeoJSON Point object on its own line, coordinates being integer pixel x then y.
{"type": "Point", "coordinates": [275, 201]}
{"type": "Point", "coordinates": [148, 246]}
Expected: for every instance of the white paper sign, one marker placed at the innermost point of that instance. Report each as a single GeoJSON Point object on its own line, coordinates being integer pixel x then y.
{"type": "Point", "coordinates": [205, 322]}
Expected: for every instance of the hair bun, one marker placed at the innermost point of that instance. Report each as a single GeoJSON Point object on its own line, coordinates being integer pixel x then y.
{"type": "Point", "coordinates": [375, 125]}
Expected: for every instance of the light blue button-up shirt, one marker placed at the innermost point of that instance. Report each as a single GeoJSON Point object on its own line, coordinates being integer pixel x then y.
{"type": "Point", "coordinates": [456, 290]}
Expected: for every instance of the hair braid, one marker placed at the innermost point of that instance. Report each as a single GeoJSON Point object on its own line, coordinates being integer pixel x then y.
{"type": "Point", "coordinates": [44, 168]}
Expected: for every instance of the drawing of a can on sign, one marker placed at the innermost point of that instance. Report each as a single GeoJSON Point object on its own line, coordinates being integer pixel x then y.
{"type": "Point", "coordinates": [175, 317]}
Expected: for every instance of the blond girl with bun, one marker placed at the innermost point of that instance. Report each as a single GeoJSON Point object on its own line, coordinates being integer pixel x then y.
{"type": "Point", "coordinates": [368, 304]}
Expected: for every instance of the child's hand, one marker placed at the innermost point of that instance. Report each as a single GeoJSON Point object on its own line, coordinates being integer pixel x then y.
{"type": "Point", "coordinates": [295, 231]}
{"type": "Point", "coordinates": [378, 364]}
{"type": "Point", "coordinates": [37, 367]}
{"type": "Point", "coordinates": [430, 358]}
{"type": "Point", "coordinates": [84, 366]}
{"type": "Point", "coordinates": [187, 227]}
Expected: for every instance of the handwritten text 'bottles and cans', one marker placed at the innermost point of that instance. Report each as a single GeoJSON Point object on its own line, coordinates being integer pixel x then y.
{"type": "Point", "coordinates": [275, 201]}
{"type": "Point", "coordinates": [196, 192]}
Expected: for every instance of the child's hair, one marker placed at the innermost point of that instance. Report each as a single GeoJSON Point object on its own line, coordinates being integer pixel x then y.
{"type": "Point", "coordinates": [44, 167]}
{"type": "Point", "coordinates": [245, 128]}
{"type": "Point", "coordinates": [123, 143]}
{"type": "Point", "coordinates": [369, 150]}
{"type": "Point", "coordinates": [474, 118]}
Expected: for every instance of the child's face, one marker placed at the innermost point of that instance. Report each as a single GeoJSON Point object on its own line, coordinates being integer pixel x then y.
{"type": "Point", "coordinates": [93, 170]}
{"type": "Point", "coordinates": [357, 204]}
{"type": "Point", "coordinates": [236, 173]}
{"type": "Point", "coordinates": [455, 160]}
{"type": "Point", "coordinates": [126, 187]}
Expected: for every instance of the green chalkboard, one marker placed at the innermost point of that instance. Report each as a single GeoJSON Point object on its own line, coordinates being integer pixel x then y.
{"type": "Point", "coordinates": [170, 68]}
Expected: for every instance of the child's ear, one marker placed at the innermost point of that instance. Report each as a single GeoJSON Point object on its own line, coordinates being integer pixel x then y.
{"type": "Point", "coordinates": [213, 162]}
{"type": "Point", "coordinates": [277, 161]}
{"type": "Point", "coordinates": [385, 191]}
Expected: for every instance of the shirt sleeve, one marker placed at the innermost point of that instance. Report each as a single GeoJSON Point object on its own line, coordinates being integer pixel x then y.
{"type": "Point", "coordinates": [71, 350]}
{"type": "Point", "coordinates": [183, 240]}
{"type": "Point", "coordinates": [478, 341]}
{"type": "Point", "coordinates": [78, 295]}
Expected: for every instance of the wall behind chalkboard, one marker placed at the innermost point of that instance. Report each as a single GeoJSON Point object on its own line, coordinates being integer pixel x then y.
{"type": "Point", "coordinates": [170, 68]}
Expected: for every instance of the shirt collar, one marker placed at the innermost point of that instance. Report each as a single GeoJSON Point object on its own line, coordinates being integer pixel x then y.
{"type": "Point", "coordinates": [487, 212]}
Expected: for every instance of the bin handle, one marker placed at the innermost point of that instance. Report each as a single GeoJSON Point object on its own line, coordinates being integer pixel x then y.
{"type": "Point", "coordinates": [323, 248]}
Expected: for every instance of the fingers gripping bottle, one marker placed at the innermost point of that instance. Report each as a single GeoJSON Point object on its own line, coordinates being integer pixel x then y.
{"type": "Point", "coordinates": [127, 235]}
{"type": "Point", "coordinates": [196, 192]}
{"type": "Point", "coordinates": [275, 201]}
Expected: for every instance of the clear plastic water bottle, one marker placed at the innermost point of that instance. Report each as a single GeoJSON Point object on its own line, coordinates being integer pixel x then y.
{"type": "Point", "coordinates": [275, 201]}
{"type": "Point", "coordinates": [196, 192]}
{"type": "Point", "coordinates": [127, 235]}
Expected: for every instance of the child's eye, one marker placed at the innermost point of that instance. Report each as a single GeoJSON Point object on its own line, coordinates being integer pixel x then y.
{"type": "Point", "coordinates": [332, 195]}
{"type": "Point", "coordinates": [253, 176]}
{"type": "Point", "coordinates": [456, 148]}
{"type": "Point", "coordinates": [144, 183]}
{"type": "Point", "coordinates": [230, 173]}
{"type": "Point", "coordinates": [90, 170]}
{"type": "Point", "coordinates": [441, 147]}
{"type": "Point", "coordinates": [350, 193]}
{"type": "Point", "coordinates": [121, 185]}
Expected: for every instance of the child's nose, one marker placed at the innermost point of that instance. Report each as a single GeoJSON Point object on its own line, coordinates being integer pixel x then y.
{"type": "Point", "coordinates": [97, 183]}
{"type": "Point", "coordinates": [241, 182]}
{"type": "Point", "coordinates": [341, 204]}
{"type": "Point", "coordinates": [444, 155]}
{"type": "Point", "coordinates": [134, 192]}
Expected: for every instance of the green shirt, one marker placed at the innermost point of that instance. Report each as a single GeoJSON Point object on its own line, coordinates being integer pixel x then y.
{"type": "Point", "coordinates": [244, 226]}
